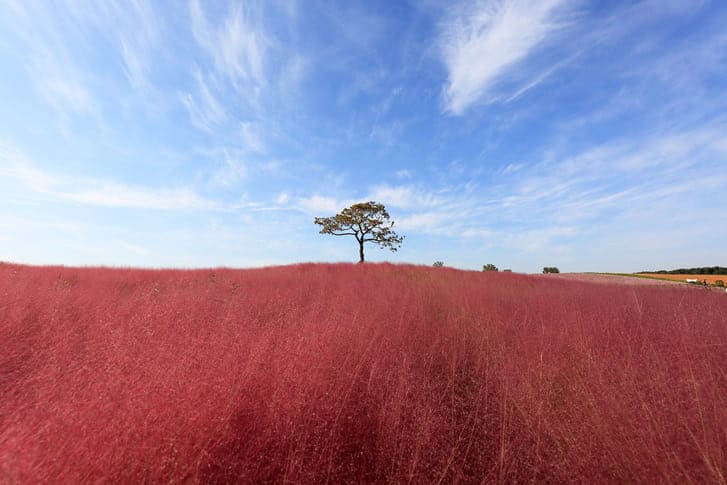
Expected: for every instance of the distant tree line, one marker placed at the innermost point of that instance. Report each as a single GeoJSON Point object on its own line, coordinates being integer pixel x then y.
{"type": "Point", "coordinates": [706, 270]}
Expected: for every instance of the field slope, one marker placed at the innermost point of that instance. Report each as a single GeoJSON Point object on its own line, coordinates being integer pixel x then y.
{"type": "Point", "coordinates": [351, 373]}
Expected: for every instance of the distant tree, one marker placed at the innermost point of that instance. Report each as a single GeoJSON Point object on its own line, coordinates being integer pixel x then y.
{"type": "Point", "coordinates": [438, 264]}
{"type": "Point", "coordinates": [367, 222]}
{"type": "Point", "coordinates": [696, 271]}
{"type": "Point", "coordinates": [489, 267]}
{"type": "Point", "coordinates": [550, 270]}
{"type": "Point", "coordinates": [719, 283]}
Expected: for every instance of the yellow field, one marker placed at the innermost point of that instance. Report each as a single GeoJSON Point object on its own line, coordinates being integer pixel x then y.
{"type": "Point", "coordinates": [711, 278]}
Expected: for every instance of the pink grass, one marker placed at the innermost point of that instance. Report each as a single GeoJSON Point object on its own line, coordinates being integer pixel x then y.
{"type": "Point", "coordinates": [351, 373]}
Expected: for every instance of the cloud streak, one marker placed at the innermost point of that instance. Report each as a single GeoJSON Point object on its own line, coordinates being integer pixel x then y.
{"type": "Point", "coordinates": [205, 111]}
{"type": "Point", "coordinates": [95, 192]}
{"type": "Point", "coordinates": [484, 40]}
{"type": "Point", "coordinates": [237, 46]}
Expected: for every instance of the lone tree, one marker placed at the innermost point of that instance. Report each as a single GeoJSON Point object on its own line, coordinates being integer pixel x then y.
{"type": "Point", "coordinates": [489, 267]}
{"type": "Point", "coordinates": [367, 222]}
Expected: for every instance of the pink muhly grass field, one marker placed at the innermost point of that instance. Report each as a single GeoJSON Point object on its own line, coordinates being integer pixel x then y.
{"type": "Point", "coordinates": [357, 373]}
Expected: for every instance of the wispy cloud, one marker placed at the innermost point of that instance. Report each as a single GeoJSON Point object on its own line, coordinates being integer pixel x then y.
{"type": "Point", "coordinates": [63, 89]}
{"type": "Point", "coordinates": [562, 198]}
{"type": "Point", "coordinates": [404, 196]}
{"type": "Point", "coordinates": [483, 40]}
{"type": "Point", "coordinates": [113, 194]}
{"type": "Point", "coordinates": [54, 40]}
{"type": "Point", "coordinates": [137, 28]}
{"type": "Point", "coordinates": [439, 222]}
{"type": "Point", "coordinates": [237, 45]}
{"type": "Point", "coordinates": [233, 170]}
{"type": "Point", "coordinates": [321, 205]}
{"type": "Point", "coordinates": [252, 137]}
{"type": "Point", "coordinates": [621, 175]}
{"type": "Point", "coordinates": [134, 248]}
{"type": "Point", "coordinates": [84, 190]}
{"type": "Point", "coordinates": [205, 111]}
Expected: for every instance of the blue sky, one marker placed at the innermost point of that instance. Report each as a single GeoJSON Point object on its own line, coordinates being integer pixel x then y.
{"type": "Point", "coordinates": [591, 136]}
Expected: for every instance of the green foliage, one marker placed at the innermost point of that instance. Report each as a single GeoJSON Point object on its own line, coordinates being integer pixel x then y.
{"type": "Point", "coordinates": [367, 222]}
{"type": "Point", "coordinates": [438, 264]}
{"type": "Point", "coordinates": [719, 283]}
{"type": "Point", "coordinates": [489, 267]}
{"type": "Point", "coordinates": [695, 271]}
{"type": "Point", "coordinates": [550, 270]}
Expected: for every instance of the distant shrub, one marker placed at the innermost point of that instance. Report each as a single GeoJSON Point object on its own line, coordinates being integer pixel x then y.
{"type": "Point", "coordinates": [438, 264]}
{"type": "Point", "coordinates": [489, 267]}
{"type": "Point", "coordinates": [694, 271]}
{"type": "Point", "coordinates": [550, 270]}
{"type": "Point", "coordinates": [719, 283]}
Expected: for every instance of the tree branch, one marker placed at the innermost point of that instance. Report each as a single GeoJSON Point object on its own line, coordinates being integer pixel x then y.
{"type": "Point", "coordinates": [366, 221]}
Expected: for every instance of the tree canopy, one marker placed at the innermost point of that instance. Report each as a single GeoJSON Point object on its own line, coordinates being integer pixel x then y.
{"type": "Point", "coordinates": [706, 270]}
{"type": "Point", "coordinates": [367, 222]}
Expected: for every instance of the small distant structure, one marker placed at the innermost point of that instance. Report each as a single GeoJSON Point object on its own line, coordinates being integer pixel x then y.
{"type": "Point", "coordinates": [692, 280]}
{"type": "Point", "coordinates": [507, 271]}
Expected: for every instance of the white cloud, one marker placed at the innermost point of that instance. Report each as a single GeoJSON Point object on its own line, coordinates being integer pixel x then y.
{"type": "Point", "coordinates": [485, 39]}
{"type": "Point", "coordinates": [205, 110]}
{"type": "Point", "coordinates": [535, 239]}
{"type": "Point", "coordinates": [98, 192]}
{"type": "Point", "coordinates": [64, 92]}
{"type": "Point", "coordinates": [512, 167]}
{"type": "Point", "coordinates": [252, 137]}
{"type": "Point", "coordinates": [134, 66]}
{"type": "Point", "coordinates": [137, 27]}
{"type": "Point", "coordinates": [53, 70]}
{"type": "Point", "coordinates": [404, 174]}
{"type": "Point", "coordinates": [388, 133]}
{"type": "Point", "coordinates": [134, 248]}
{"type": "Point", "coordinates": [654, 175]}
{"type": "Point", "coordinates": [232, 171]}
{"type": "Point", "coordinates": [15, 165]}
{"type": "Point", "coordinates": [321, 204]}
{"type": "Point", "coordinates": [282, 198]}
{"type": "Point", "coordinates": [478, 233]}
{"type": "Point", "coordinates": [113, 194]}
{"type": "Point", "coordinates": [237, 47]}
{"type": "Point", "coordinates": [54, 39]}
{"type": "Point", "coordinates": [403, 196]}
{"type": "Point", "coordinates": [439, 222]}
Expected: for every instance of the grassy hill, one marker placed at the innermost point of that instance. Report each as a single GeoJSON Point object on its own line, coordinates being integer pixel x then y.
{"type": "Point", "coordinates": [350, 373]}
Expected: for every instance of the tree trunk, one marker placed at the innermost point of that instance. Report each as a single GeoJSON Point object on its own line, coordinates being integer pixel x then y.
{"type": "Point", "coordinates": [360, 251]}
